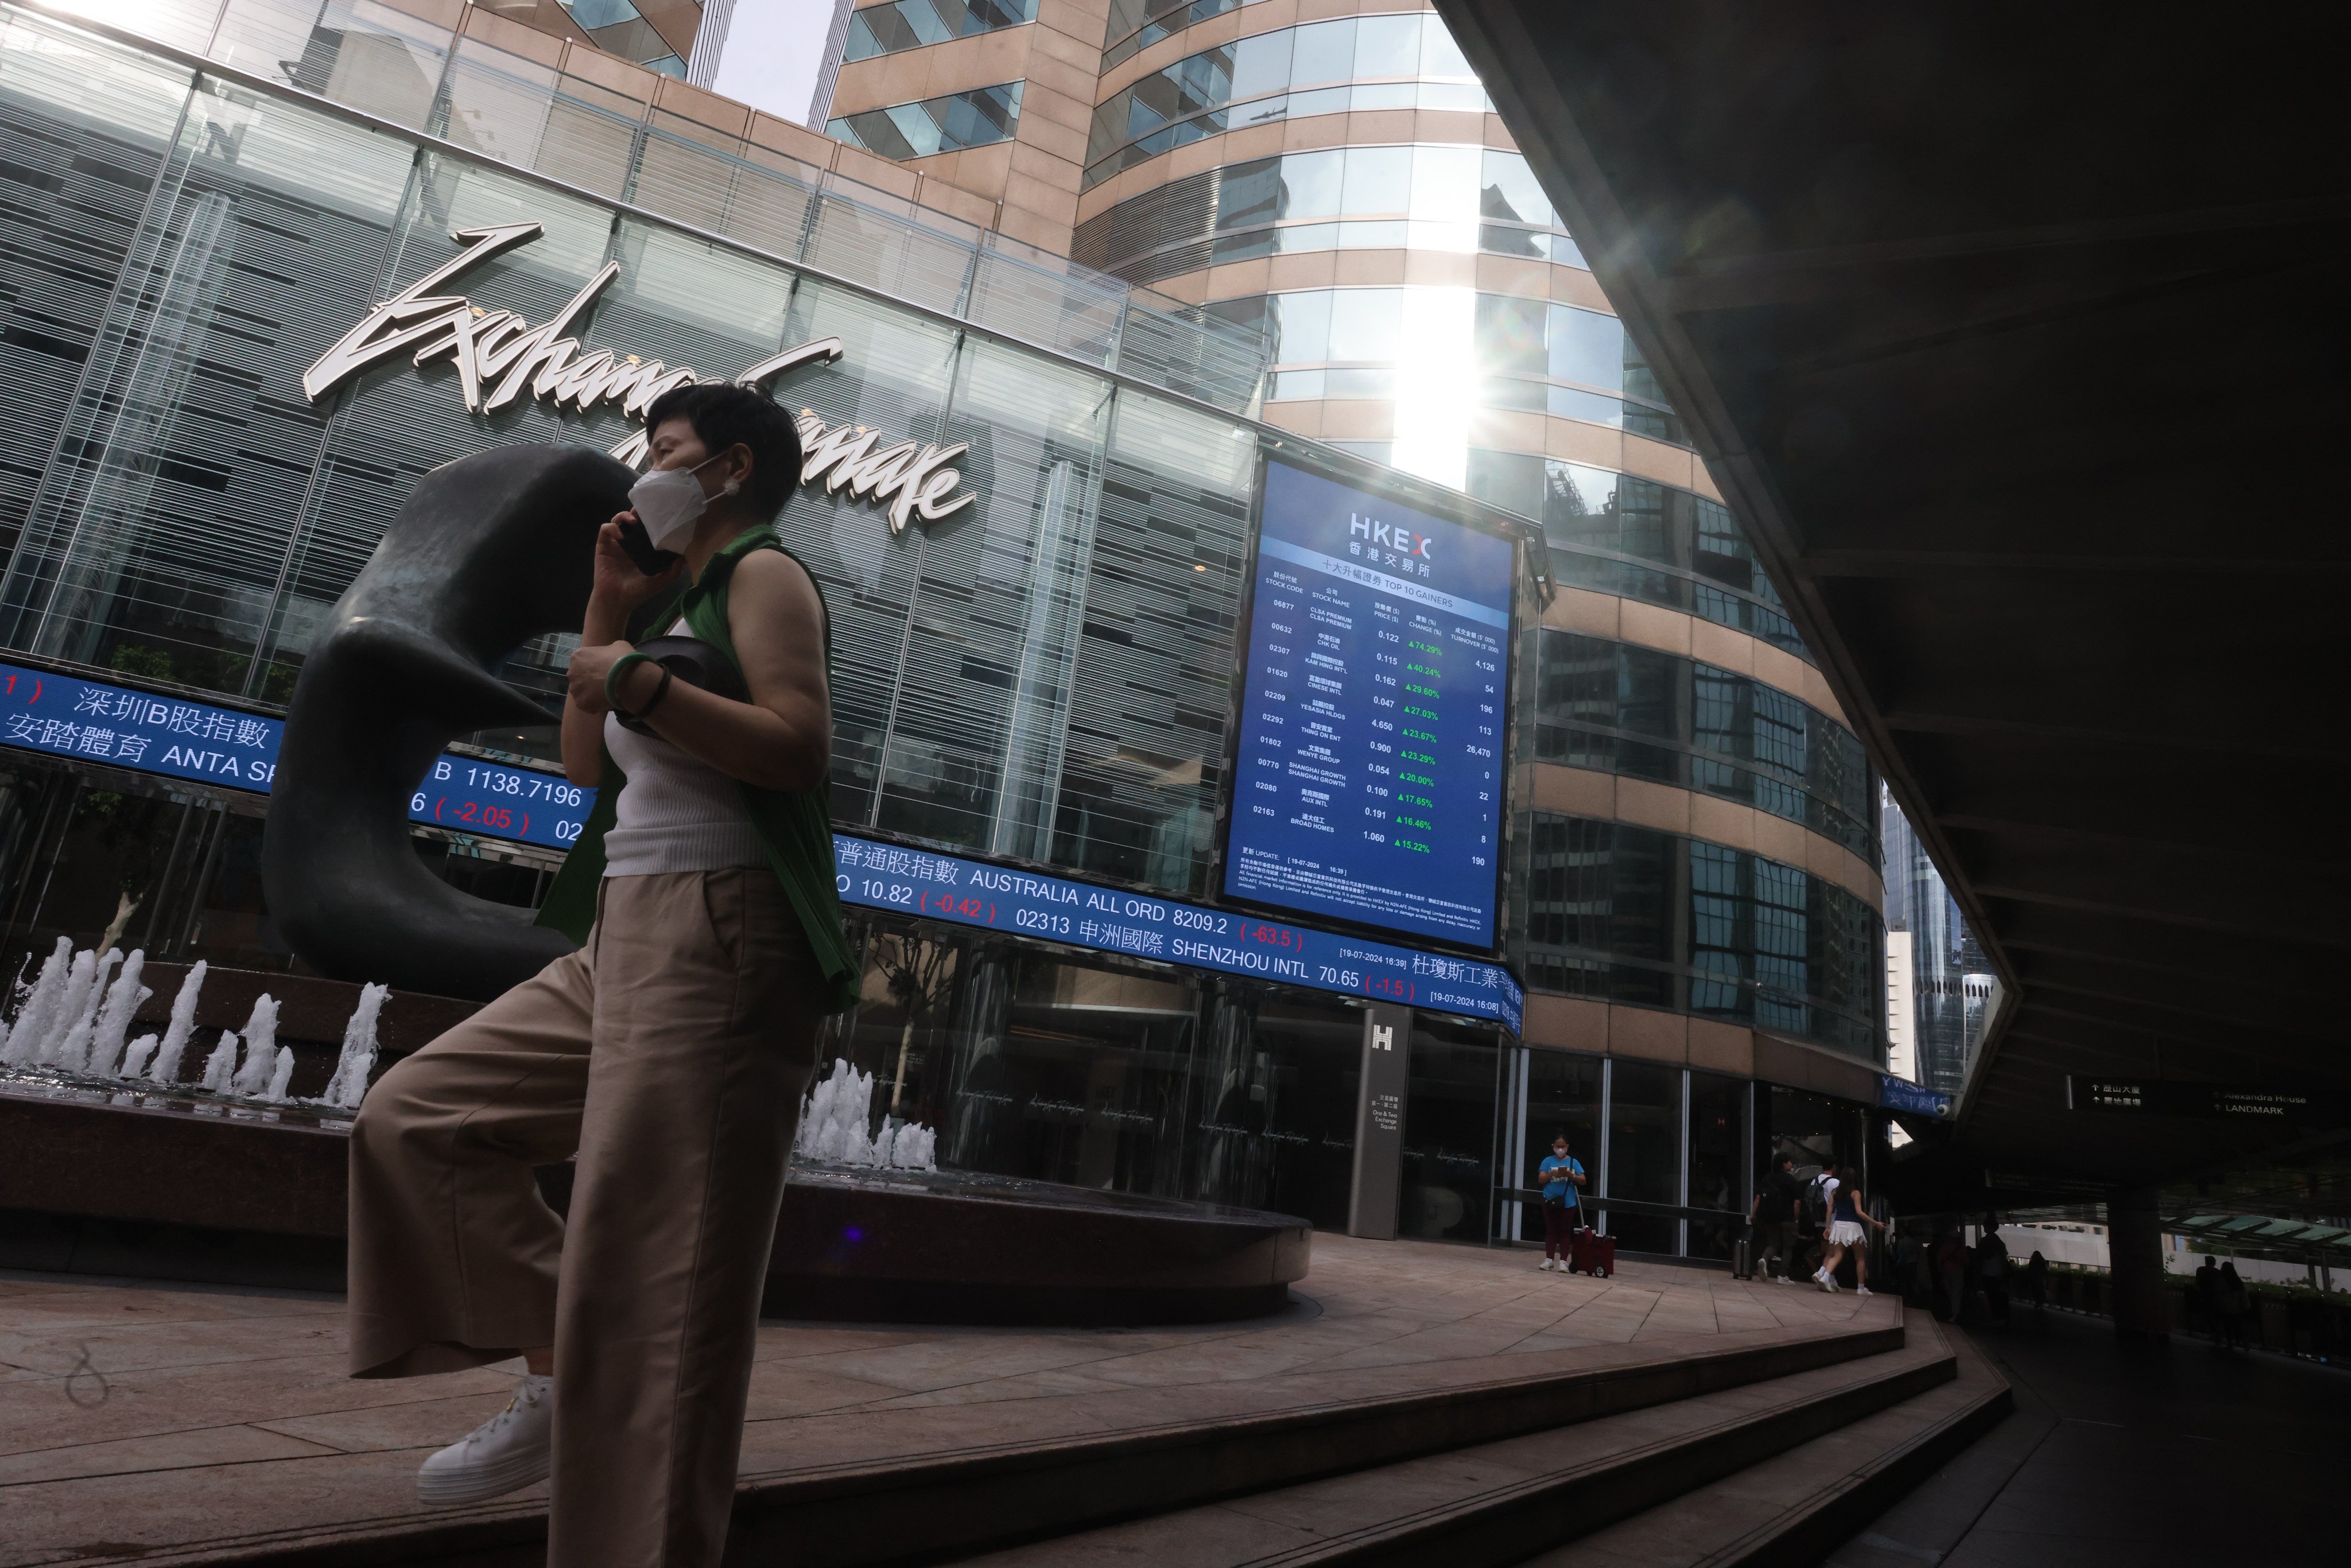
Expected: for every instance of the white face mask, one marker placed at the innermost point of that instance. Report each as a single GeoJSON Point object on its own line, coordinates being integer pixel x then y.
{"type": "Point", "coordinates": [669, 502]}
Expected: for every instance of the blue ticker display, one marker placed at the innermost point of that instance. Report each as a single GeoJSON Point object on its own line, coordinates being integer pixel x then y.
{"type": "Point", "coordinates": [61, 715]}
{"type": "Point", "coordinates": [1112, 920]}
{"type": "Point", "coordinates": [1368, 784]}
{"type": "Point", "coordinates": [92, 722]}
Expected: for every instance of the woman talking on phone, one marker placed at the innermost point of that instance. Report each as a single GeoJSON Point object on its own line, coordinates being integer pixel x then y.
{"type": "Point", "coordinates": [668, 1053]}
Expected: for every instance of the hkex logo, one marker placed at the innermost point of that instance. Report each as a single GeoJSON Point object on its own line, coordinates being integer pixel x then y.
{"type": "Point", "coordinates": [1388, 536]}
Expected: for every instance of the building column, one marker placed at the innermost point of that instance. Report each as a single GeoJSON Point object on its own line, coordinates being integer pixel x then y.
{"type": "Point", "coordinates": [1379, 1123]}
{"type": "Point", "coordinates": [2135, 1252]}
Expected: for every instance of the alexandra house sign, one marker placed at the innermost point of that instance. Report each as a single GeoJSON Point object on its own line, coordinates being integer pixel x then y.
{"type": "Point", "coordinates": [500, 355]}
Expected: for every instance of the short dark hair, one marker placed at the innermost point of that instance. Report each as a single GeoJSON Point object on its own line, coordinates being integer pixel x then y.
{"type": "Point", "coordinates": [1785, 1159]}
{"type": "Point", "coordinates": [724, 414]}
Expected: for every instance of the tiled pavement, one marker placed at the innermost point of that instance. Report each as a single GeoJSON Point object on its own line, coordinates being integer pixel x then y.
{"type": "Point", "coordinates": [137, 1419]}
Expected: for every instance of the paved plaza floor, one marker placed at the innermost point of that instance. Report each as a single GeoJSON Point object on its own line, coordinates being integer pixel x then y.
{"type": "Point", "coordinates": [170, 1420]}
{"type": "Point", "coordinates": [2180, 1458]}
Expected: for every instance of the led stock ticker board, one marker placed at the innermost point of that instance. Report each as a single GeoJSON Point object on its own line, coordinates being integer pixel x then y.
{"type": "Point", "coordinates": [61, 715]}
{"type": "Point", "coordinates": [1368, 779]}
{"type": "Point", "coordinates": [1112, 920]}
{"type": "Point", "coordinates": [66, 718]}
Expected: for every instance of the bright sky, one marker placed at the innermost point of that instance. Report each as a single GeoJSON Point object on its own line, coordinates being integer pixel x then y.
{"type": "Point", "coordinates": [773, 49]}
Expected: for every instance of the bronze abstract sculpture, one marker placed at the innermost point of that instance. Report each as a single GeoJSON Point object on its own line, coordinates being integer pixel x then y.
{"type": "Point", "coordinates": [490, 551]}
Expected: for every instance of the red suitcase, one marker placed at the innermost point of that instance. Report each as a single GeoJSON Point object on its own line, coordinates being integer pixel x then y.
{"type": "Point", "coordinates": [1589, 1252]}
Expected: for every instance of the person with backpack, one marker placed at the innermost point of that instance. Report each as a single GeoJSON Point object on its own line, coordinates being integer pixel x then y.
{"type": "Point", "coordinates": [2236, 1304]}
{"type": "Point", "coordinates": [665, 1058]}
{"type": "Point", "coordinates": [2210, 1299]}
{"type": "Point", "coordinates": [1845, 1233]}
{"type": "Point", "coordinates": [1991, 1268]}
{"type": "Point", "coordinates": [1560, 1176]}
{"type": "Point", "coordinates": [1779, 1207]}
{"type": "Point", "coordinates": [1952, 1256]}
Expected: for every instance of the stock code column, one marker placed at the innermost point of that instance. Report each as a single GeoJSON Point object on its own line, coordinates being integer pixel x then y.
{"type": "Point", "coordinates": [1370, 779]}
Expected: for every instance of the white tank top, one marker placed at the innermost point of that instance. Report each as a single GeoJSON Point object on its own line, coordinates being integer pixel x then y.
{"type": "Point", "coordinates": [676, 812]}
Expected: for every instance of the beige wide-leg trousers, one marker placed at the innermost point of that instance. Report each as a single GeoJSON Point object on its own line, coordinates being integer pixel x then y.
{"type": "Point", "coordinates": [670, 1054]}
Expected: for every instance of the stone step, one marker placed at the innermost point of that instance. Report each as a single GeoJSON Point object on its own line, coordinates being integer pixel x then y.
{"type": "Point", "coordinates": [1794, 1509]}
{"type": "Point", "coordinates": [1500, 1502]}
{"type": "Point", "coordinates": [952, 1481]}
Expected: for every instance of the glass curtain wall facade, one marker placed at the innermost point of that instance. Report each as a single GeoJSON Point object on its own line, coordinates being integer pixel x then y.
{"type": "Point", "coordinates": [1340, 187]}
{"type": "Point", "coordinates": [1043, 678]}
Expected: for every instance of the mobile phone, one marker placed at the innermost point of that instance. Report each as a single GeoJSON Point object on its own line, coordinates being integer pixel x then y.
{"type": "Point", "coordinates": [639, 544]}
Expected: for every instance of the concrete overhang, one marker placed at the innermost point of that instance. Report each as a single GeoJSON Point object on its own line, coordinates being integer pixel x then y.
{"type": "Point", "coordinates": [2015, 337]}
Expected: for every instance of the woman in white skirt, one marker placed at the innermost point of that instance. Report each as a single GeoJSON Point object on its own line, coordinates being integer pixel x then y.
{"type": "Point", "coordinates": [1846, 1220]}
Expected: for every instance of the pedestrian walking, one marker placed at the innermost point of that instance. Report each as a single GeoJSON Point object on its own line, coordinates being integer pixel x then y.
{"type": "Point", "coordinates": [2212, 1300]}
{"type": "Point", "coordinates": [1778, 1207]}
{"type": "Point", "coordinates": [1991, 1268]}
{"type": "Point", "coordinates": [1560, 1174]}
{"type": "Point", "coordinates": [1845, 1232]}
{"type": "Point", "coordinates": [2237, 1302]}
{"type": "Point", "coordinates": [665, 1058]}
{"type": "Point", "coordinates": [1951, 1267]}
{"type": "Point", "coordinates": [2036, 1283]}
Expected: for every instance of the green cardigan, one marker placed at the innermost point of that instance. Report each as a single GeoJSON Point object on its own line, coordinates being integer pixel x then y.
{"type": "Point", "coordinates": [795, 826]}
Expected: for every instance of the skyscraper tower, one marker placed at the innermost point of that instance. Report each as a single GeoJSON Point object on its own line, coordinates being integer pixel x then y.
{"type": "Point", "coordinates": [1953, 994]}
{"type": "Point", "coordinates": [1696, 855]}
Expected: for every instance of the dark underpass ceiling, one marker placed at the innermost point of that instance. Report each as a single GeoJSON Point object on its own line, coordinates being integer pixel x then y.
{"type": "Point", "coordinates": [2016, 337]}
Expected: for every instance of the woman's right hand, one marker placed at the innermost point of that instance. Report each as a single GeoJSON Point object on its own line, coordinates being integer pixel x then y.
{"type": "Point", "coordinates": [619, 586]}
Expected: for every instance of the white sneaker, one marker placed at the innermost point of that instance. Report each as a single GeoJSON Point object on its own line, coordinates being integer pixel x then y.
{"type": "Point", "coordinates": [1861, 1289]}
{"type": "Point", "coordinates": [1828, 1281]}
{"type": "Point", "coordinates": [506, 1453]}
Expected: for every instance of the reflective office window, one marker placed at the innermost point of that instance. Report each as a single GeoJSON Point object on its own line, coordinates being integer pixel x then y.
{"type": "Point", "coordinates": [1511, 335]}
{"type": "Point", "coordinates": [1362, 63]}
{"type": "Point", "coordinates": [1026, 1065]}
{"type": "Point", "coordinates": [1615, 707]}
{"type": "Point", "coordinates": [1510, 190]}
{"type": "Point", "coordinates": [186, 461]}
{"type": "Point", "coordinates": [1378, 179]}
{"type": "Point", "coordinates": [978, 117]}
{"type": "Point", "coordinates": [893, 376]}
{"type": "Point", "coordinates": [1808, 1128]}
{"type": "Point", "coordinates": [1718, 1134]}
{"type": "Point", "coordinates": [898, 25]}
{"type": "Point", "coordinates": [1449, 1132]}
{"type": "Point", "coordinates": [1457, 198]}
{"type": "Point", "coordinates": [89, 127]}
{"type": "Point", "coordinates": [981, 701]}
{"type": "Point", "coordinates": [1262, 64]}
{"type": "Point", "coordinates": [1148, 719]}
{"type": "Point", "coordinates": [1563, 1095]}
{"type": "Point", "coordinates": [1645, 1163]}
{"type": "Point", "coordinates": [1278, 1077]}
{"type": "Point", "coordinates": [1625, 913]}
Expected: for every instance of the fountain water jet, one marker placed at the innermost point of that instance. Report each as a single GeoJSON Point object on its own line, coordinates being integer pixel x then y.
{"type": "Point", "coordinates": [122, 1003]}
{"type": "Point", "coordinates": [60, 1023]}
{"type": "Point", "coordinates": [72, 1051]}
{"type": "Point", "coordinates": [220, 1064]}
{"type": "Point", "coordinates": [349, 1086]}
{"type": "Point", "coordinates": [40, 1006]}
{"type": "Point", "coordinates": [260, 1047]}
{"type": "Point", "coordinates": [134, 1058]}
{"type": "Point", "coordinates": [833, 1119]}
{"type": "Point", "coordinates": [175, 1033]}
